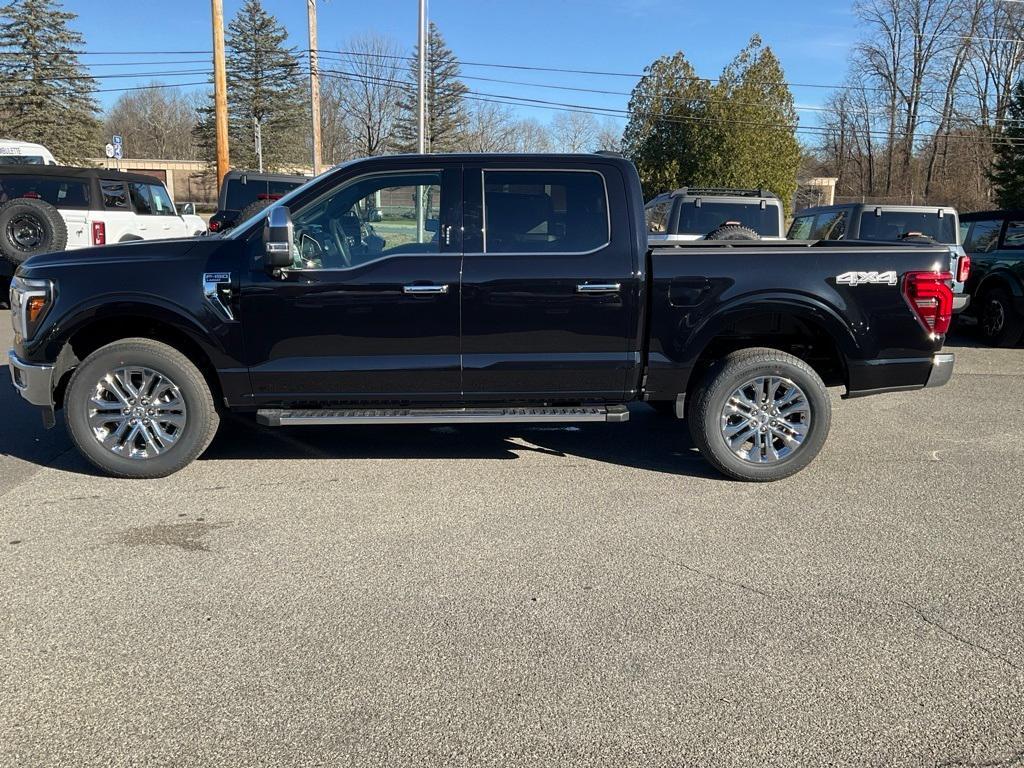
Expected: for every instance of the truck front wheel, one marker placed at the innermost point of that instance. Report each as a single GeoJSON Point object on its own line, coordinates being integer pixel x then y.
{"type": "Point", "coordinates": [139, 409]}
{"type": "Point", "coordinates": [760, 415]}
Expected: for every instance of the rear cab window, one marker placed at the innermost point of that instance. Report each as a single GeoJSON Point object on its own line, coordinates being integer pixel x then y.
{"type": "Point", "coordinates": [710, 215]}
{"type": "Point", "coordinates": [241, 195]}
{"type": "Point", "coordinates": [552, 211]}
{"type": "Point", "coordinates": [656, 213]}
{"type": "Point", "coordinates": [58, 192]}
{"type": "Point", "coordinates": [894, 226]}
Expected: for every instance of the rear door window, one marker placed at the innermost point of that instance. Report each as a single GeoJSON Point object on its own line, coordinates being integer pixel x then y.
{"type": "Point", "coordinates": [115, 195]}
{"type": "Point", "coordinates": [1014, 237]}
{"type": "Point", "coordinates": [983, 236]}
{"type": "Point", "coordinates": [709, 216]}
{"type": "Point", "coordinates": [657, 217]}
{"type": "Point", "coordinates": [545, 212]}
{"type": "Point", "coordinates": [894, 226]}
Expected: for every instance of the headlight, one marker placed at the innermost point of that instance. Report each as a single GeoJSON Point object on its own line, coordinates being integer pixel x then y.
{"type": "Point", "coordinates": [30, 301]}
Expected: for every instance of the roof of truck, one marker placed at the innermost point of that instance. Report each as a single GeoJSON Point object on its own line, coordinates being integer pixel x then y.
{"type": "Point", "coordinates": [71, 172]}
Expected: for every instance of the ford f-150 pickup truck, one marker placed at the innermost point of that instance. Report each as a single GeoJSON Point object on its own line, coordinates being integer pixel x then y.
{"type": "Point", "coordinates": [471, 288]}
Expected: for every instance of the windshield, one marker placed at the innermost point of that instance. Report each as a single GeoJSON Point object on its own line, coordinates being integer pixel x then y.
{"type": "Point", "coordinates": [241, 195]}
{"type": "Point", "coordinates": [710, 216]}
{"type": "Point", "coordinates": [893, 226]}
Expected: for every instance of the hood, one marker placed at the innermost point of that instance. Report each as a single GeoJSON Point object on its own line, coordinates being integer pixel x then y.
{"type": "Point", "coordinates": [138, 251]}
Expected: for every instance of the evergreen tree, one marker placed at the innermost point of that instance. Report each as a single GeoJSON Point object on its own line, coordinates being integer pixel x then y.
{"type": "Point", "coordinates": [446, 117]}
{"type": "Point", "coordinates": [753, 120]}
{"type": "Point", "coordinates": [1007, 174]}
{"type": "Point", "coordinates": [667, 124]}
{"type": "Point", "coordinates": [265, 84]}
{"type": "Point", "coordinates": [47, 94]}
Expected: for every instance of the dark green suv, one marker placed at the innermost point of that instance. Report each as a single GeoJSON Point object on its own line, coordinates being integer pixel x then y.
{"type": "Point", "coordinates": [995, 242]}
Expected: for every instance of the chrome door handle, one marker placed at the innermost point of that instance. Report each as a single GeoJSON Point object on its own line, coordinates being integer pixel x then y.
{"type": "Point", "coordinates": [424, 290]}
{"type": "Point", "coordinates": [599, 288]}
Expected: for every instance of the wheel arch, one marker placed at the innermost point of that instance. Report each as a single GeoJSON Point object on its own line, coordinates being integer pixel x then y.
{"type": "Point", "coordinates": [1001, 278]}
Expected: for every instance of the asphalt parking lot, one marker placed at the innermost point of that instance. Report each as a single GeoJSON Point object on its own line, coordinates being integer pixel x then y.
{"type": "Point", "coordinates": [496, 595]}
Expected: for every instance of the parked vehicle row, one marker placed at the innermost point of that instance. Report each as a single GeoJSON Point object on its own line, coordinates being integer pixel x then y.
{"type": "Point", "coordinates": [489, 288]}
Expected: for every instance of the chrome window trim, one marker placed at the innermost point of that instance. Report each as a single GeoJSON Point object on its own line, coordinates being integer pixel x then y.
{"type": "Point", "coordinates": [483, 212]}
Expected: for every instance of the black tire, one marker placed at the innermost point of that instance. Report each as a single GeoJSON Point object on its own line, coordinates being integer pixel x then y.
{"type": "Point", "coordinates": [732, 232]}
{"type": "Point", "coordinates": [707, 403]}
{"type": "Point", "coordinates": [252, 209]}
{"type": "Point", "coordinates": [29, 227]}
{"type": "Point", "coordinates": [998, 322]}
{"type": "Point", "coordinates": [201, 414]}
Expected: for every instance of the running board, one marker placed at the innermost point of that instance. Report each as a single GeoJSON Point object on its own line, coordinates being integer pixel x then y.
{"type": "Point", "coordinates": [299, 418]}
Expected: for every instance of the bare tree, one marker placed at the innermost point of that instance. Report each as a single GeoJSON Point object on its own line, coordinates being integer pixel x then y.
{"type": "Point", "coordinates": [368, 88]}
{"type": "Point", "coordinates": [532, 136]}
{"type": "Point", "coordinates": [574, 131]}
{"type": "Point", "coordinates": [609, 135]}
{"type": "Point", "coordinates": [489, 127]}
{"type": "Point", "coordinates": [156, 122]}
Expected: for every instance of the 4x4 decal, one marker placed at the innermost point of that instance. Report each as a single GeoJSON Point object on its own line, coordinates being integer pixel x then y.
{"type": "Point", "coordinates": [868, 278]}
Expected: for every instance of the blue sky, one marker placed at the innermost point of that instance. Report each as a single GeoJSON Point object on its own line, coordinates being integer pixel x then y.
{"type": "Point", "coordinates": [812, 39]}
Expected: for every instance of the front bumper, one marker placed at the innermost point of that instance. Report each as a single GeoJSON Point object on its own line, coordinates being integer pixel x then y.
{"type": "Point", "coordinates": [942, 369]}
{"type": "Point", "coordinates": [33, 382]}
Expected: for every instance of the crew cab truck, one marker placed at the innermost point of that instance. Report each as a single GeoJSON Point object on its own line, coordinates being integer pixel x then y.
{"type": "Point", "coordinates": [470, 288]}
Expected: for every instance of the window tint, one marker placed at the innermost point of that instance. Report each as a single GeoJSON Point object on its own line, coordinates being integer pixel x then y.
{"type": "Point", "coordinates": [544, 212]}
{"type": "Point", "coordinates": [982, 236]}
{"type": "Point", "coordinates": [241, 195]}
{"type": "Point", "coordinates": [1014, 237]}
{"type": "Point", "coordinates": [115, 194]}
{"type": "Point", "coordinates": [62, 193]}
{"type": "Point", "coordinates": [829, 226]}
{"type": "Point", "coordinates": [801, 228]}
{"type": "Point", "coordinates": [893, 226]}
{"type": "Point", "coordinates": [141, 200]}
{"type": "Point", "coordinates": [369, 218]}
{"type": "Point", "coordinates": [694, 220]}
{"type": "Point", "coordinates": [657, 217]}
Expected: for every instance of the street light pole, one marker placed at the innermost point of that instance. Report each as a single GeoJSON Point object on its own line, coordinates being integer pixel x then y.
{"type": "Point", "coordinates": [314, 86]}
{"type": "Point", "coordinates": [220, 92]}
{"type": "Point", "coordinates": [422, 141]}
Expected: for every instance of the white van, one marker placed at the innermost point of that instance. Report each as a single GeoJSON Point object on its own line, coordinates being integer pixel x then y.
{"type": "Point", "coordinates": [24, 153]}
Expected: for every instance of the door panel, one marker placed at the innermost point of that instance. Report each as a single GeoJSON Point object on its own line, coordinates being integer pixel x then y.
{"type": "Point", "coordinates": [372, 314]}
{"type": "Point", "coordinates": [548, 285]}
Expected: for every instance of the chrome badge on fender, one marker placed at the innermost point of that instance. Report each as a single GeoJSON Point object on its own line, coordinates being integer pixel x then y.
{"type": "Point", "coordinates": [868, 278]}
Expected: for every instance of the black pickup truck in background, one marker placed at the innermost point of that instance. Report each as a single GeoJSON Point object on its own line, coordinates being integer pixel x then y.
{"type": "Point", "coordinates": [471, 288]}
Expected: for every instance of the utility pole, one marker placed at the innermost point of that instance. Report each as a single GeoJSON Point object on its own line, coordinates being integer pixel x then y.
{"type": "Point", "coordinates": [258, 136]}
{"type": "Point", "coordinates": [220, 91]}
{"type": "Point", "coordinates": [422, 140]}
{"type": "Point", "coordinates": [423, 77]}
{"type": "Point", "coordinates": [314, 86]}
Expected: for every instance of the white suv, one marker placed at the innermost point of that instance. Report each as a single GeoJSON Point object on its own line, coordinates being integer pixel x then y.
{"type": "Point", "coordinates": [55, 208]}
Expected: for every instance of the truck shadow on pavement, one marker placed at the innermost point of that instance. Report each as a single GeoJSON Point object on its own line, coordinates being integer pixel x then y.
{"type": "Point", "coordinates": [648, 441]}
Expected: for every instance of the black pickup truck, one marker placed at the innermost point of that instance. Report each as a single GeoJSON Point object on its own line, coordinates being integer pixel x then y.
{"type": "Point", "coordinates": [471, 288]}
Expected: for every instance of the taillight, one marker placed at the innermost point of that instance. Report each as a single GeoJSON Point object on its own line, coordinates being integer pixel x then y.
{"type": "Point", "coordinates": [963, 268]}
{"type": "Point", "coordinates": [99, 233]}
{"type": "Point", "coordinates": [931, 298]}
{"type": "Point", "coordinates": [214, 225]}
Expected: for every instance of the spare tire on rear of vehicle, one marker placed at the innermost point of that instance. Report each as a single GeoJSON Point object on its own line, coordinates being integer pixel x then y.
{"type": "Point", "coordinates": [29, 227]}
{"type": "Point", "coordinates": [732, 232]}
{"type": "Point", "coordinates": [252, 209]}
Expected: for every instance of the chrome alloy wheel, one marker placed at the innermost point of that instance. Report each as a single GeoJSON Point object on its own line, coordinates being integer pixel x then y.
{"type": "Point", "coordinates": [136, 412]}
{"type": "Point", "coordinates": [994, 317]}
{"type": "Point", "coordinates": [766, 420]}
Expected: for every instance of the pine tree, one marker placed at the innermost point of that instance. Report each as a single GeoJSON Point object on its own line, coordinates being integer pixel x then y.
{"type": "Point", "coordinates": [446, 117]}
{"type": "Point", "coordinates": [265, 84]}
{"type": "Point", "coordinates": [47, 94]}
{"type": "Point", "coordinates": [1007, 174]}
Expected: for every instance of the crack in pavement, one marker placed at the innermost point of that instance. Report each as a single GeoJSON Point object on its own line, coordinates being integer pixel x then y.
{"type": "Point", "coordinates": [1017, 758]}
{"type": "Point", "coordinates": [959, 638]}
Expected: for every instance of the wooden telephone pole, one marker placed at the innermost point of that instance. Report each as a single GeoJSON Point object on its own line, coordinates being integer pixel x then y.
{"type": "Point", "coordinates": [220, 92]}
{"type": "Point", "coordinates": [314, 86]}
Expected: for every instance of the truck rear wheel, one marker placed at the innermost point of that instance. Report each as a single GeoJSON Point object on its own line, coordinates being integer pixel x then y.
{"type": "Point", "coordinates": [999, 323]}
{"type": "Point", "coordinates": [139, 409]}
{"type": "Point", "coordinates": [29, 227]}
{"type": "Point", "coordinates": [760, 415]}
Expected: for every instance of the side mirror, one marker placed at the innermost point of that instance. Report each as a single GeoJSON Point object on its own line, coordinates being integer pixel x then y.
{"type": "Point", "coordinates": [188, 209]}
{"type": "Point", "coordinates": [278, 236]}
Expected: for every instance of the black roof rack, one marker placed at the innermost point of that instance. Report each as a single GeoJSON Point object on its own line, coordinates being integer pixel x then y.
{"type": "Point", "coordinates": [722, 192]}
